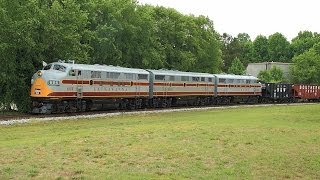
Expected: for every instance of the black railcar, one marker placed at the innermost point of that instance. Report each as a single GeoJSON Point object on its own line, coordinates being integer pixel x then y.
{"type": "Point", "coordinates": [275, 92]}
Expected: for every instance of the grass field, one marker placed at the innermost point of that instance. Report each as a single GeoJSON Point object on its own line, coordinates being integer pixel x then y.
{"type": "Point", "coordinates": [261, 142]}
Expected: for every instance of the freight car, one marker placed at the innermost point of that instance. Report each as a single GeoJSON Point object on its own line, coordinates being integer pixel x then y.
{"type": "Point", "coordinates": [277, 93]}
{"type": "Point", "coordinates": [306, 92]}
{"type": "Point", "coordinates": [67, 87]}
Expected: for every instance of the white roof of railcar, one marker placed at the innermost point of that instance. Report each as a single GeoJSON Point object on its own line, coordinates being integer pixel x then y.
{"type": "Point", "coordinates": [233, 76]}
{"type": "Point", "coordinates": [107, 68]}
{"type": "Point", "coordinates": [179, 73]}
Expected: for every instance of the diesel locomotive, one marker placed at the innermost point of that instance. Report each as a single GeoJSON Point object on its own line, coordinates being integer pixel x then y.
{"type": "Point", "coordinates": [68, 87]}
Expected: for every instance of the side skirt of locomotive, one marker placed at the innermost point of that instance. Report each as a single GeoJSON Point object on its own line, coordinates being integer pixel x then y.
{"type": "Point", "coordinates": [51, 106]}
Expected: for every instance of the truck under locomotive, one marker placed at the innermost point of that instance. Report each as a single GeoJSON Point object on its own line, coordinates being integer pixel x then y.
{"type": "Point", "coordinates": [67, 87]}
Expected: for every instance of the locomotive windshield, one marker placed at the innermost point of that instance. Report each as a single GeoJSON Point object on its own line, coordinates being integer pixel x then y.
{"type": "Point", "coordinates": [47, 67]}
{"type": "Point", "coordinates": [59, 68]}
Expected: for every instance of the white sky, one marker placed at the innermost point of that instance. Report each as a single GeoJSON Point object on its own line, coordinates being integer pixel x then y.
{"type": "Point", "coordinates": [254, 17]}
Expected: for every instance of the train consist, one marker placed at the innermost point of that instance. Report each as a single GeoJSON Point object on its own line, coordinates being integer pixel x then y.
{"type": "Point", "coordinates": [67, 87]}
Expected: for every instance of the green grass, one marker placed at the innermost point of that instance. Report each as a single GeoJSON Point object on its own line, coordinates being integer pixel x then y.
{"type": "Point", "coordinates": [252, 143]}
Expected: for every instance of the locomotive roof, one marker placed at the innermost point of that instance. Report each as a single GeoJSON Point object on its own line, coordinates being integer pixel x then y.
{"type": "Point", "coordinates": [233, 76]}
{"type": "Point", "coordinates": [179, 73]}
{"type": "Point", "coordinates": [98, 67]}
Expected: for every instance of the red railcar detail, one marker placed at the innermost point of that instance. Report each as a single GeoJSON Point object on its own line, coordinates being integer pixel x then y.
{"type": "Point", "coordinates": [309, 92]}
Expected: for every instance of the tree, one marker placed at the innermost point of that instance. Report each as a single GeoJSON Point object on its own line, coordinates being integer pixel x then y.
{"type": "Point", "coordinates": [306, 67]}
{"type": "Point", "coordinates": [304, 41]}
{"type": "Point", "coordinates": [62, 31]}
{"type": "Point", "coordinates": [274, 75]}
{"type": "Point", "coordinates": [279, 48]}
{"type": "Point", "coordinates": [230, 50]}
{"type": "Point", "coordinates": [17, 47]}
{"type": "Point", "coordinates": [265, 76]}
{"type": "Point", "coordinates": [236, 67]}
{"type": "Point", "coordinates": [33, 31]}
{"type": "Point", "coordinates": [238, 47]}
{"type": "Point", "coordinates": [188, 43]}
{"type": "Point", "coordinates": [246, 48]}
{"type": "Point", "coordinates": [206, 45]}
{"type": "Point", "coordinates": [260, 49]}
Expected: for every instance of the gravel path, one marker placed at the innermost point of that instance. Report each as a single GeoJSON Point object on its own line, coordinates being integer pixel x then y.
{"type": "Point", "coordinates": [21, 121]}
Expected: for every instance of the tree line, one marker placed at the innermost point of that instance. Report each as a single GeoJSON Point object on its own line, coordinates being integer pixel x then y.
{"type": "Point", "coordinates": [303, 51]}
{"type": "Point", "coordinates": [125, 33]}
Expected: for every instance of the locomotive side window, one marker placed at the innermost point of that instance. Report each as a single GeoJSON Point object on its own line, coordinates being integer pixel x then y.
{"type": "Point", "coordinates": [72, 72]}
{"type": "Point", "coordinates": [159, 77]}
{"type": "Point", "coordinates": [95, 74]}
{"type": "Point", "coordinates": [113, 75]}
{"type": "Point", "coordinates": [222, 81]}
{"type": "Point", "coordinates": [203, 79]}
{"type": "Point", "coordinates": [142, 76]}
{"type": "Point", "coordinates": [128, 75]}
{"type": "Point", "coordinates": [210, 79]}
{"type": "Point", "coordinates": [184, 78]}
{"type": "Point", "coordinates": [172, 78]}
{"type": "Point", "coordinates": [196, 79]}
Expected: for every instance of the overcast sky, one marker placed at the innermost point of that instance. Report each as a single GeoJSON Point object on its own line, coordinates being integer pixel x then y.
{"type": "Point", "coordinates": [254, 17]}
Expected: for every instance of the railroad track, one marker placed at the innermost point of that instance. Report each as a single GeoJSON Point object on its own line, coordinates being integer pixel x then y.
{"type": "Point", "coordinates": [25, 118]}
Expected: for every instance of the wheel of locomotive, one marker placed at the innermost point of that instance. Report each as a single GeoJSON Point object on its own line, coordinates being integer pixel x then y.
{"type": "Point", "coordinates": [163, 102]}
{"type": "Point", "coordinates": [198, 101]}
{"type": "Point", "coordinates": [138, 103]}
{"type": "Point", "coordinates": [169, 102]}
{"type": "Point", "coordinates": [72, 106]}
{"type": "Point", "coordinates": [132, 104]}
{"type": "Point", "coordinates": [81, 105]}
{"type": "Point", "coordinates": [123, 104]}
{"type": "Point", "coordinates": [226, 100]}
{"type": "Point", "coordinates": [203, 101]}
{"type": "Point", "coordinates": [155, 102]}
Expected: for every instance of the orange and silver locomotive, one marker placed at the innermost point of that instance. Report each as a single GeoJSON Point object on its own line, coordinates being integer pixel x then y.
{"type": "Point", "coordinates": [68, 87]}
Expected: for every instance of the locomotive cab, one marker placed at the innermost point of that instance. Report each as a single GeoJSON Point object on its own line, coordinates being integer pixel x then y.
{"type": "Point", "coordinates": [43, 83]}
{"type": "Point", "coordinates": [44, 80]}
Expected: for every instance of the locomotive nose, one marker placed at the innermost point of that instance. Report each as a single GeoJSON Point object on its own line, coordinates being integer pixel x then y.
{"type": "Point", "coordinates": [36, 75]}
{"type": "Point", "coordinates": [39, 86]}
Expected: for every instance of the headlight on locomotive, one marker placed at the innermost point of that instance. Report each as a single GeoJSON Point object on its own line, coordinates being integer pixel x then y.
{"type": "Point", "coordinates": [39, 73]}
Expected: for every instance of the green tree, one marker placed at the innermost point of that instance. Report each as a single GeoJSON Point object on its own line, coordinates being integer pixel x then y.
{"type": "Point", "coordinates": [274, 75]}
{"type": "Point", "coordinates": [236, 67]}
{"type": "Point", "coordinates": [17, 47]}
{"type": "Point", "coordinates": [265, 76]}
{"type": "Point", "coordinates": [206, 45]}
{"type": "Point", "coordinates": [62, 31]}
{"type": "Point", "coordinates": [304, 41]}
{"type": "Point", "coordinates": [33, 31]}
{"type": "Point", "coordinates": [279, 48]}
{"type": "Point", "coordinates": [260, 49]}
{"type": "Point", "coordinates": [239, 47]}
{"type": "Point", "coordinates": [230, 50]}
{"type": "Point", "coordinates": [306, 67]}
{"type": "Point", "coordinates": [189, 43]}
{"type": "Point", "coordinates": [246, 47]}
